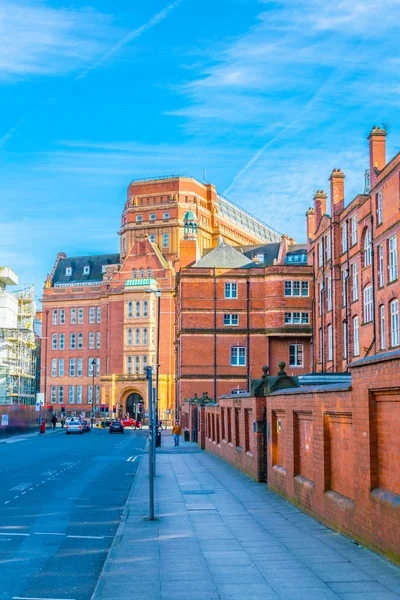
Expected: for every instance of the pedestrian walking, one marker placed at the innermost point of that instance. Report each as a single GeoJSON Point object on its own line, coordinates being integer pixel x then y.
{"type": "Point", "coordinates": [54, 420]}
{"type": "Point", "coordinates": [62, 422]}
{"type": "Point", "coordinates": [176, 432]}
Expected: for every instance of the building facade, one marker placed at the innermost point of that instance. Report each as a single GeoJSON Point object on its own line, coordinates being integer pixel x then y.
{"type": "Point", "coordinates": [100, 312]}
{"type": "Point", "coordinates": [354, 255]}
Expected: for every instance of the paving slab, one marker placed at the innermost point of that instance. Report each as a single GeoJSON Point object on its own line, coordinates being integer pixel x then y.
{"type": "Point", "coordinates": [218, 535]}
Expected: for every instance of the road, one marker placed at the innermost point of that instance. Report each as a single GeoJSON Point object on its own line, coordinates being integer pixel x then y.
{"type": "Point", "coordinates": [61, 500]}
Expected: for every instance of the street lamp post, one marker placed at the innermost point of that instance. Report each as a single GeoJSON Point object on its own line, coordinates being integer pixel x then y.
{"type": "Point", "coordinates": [149, 374]}
{"type": "Point", "coordinates": [94, 364]}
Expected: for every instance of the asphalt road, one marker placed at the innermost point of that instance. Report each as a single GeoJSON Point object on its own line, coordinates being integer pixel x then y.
{"type": "Point", "coordinates": [61, 500]}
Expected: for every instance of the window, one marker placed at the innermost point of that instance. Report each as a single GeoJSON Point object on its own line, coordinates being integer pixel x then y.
{"type": "Point", "coordinates": [91, 340]}
{"type": "Point", "coordinates": [344, 238]}
{"type": "Point", "coordinates": [145, 337]}
{"type": "Point", "coordinates": [129, 365]}
{"type": "Point", "coordinates": [98, 314]}
{"type": "Point", "coordinates": [305, 318]}
{"type": "Point", "coordinates": [79, 394]}
{"type": "Point", "coordinates": [134, 274]}
{"type": "Point", "coordinates": [328, 252]}
{"type": "Point", "coordinates": [97, 366]}
{"type": "Point", "coordinates": [353, 228]}
{"type": "Point", "coordinates": [141, 273]}
{"type": "Point", "coordinates": [62, 341]}
{"type": "Point", "coordinates": [152, 216]}
{"type": "Point", "coordinates": [394, 322]}
{"type": "Point", "coordinates": [60, 394]}
{"type": "Point", "coordinates": [55, 316]}
{"type": "Point", "coordinates": [379, 215]}
{"type": "Point", "coordinates": [153, 336]}
{"type": "Point", "coordinates": [344, 287]}
{"type": "Point", "coordinates": [368, 304]}
{"type": "Point", "coordinates": [296, 355]}
{"type": "Point", "coordinates": [139, 218]}
{"type": "Point", "coordinates": [91, 314]}
{"type": "Point", "coordinates": [165, 240]}
{"type": "Point", "coordinates": [231, 290]}
{"type": "Point", "coordinates": [296, 288]}
{"type": "Point", "coordinates": [296, 318]}
{"type": "Point", "coordinates": [152, 238]}
{"type": "Point", "coordinates": [129, 337]}
{"type": "Point", "coordinates": [54, 341]}
{"type": "Point", "coordinates": [72, 316]}
{"type": "Point", "coordinates": [79, 367]}
{"type": "Point", "coordinates": [129, 310]}
{"type": "Point", "coordinates": [320, 254]}
{"type": "Point", "coordinates": [344, 339]}
{"type": "Point", "coordinates": [149, 273]}
{"type": "Point", "coordinates": [166, 216]}
{"type": "Point", "coordinates": [137, 365]}
{"type": "Point", "coordinates": [68, 271]}
{"type": "Point", "coordinates": [54, 367]}
{"type": "Point", "coordinates": [137, 308]}
{"type": "Point", "coordinates": [97, 340]}
{"type": "Point", "coordinates": [61, 367]}
{"type": "Point", "coordinates": [97, 394]}
{"type": "Point", "coordinates": [104, 268]}
{"type": "Point", "coordinates": [137, 336]}
{"type": "Point", "coordinates": [71, 398]}
{"type": "Point", "coordinates": [288, 288]}
{"type": "Point", "coordinates": [382, 326]}
{"type": "Point", "coordinates": [153, 309]}
{"type": "Point", "coordinates": [80, 316]}
{"type": "Point", "coordinates": [381, 268]}
{"type": "Point", "coordinates": [354, 280]}
{"type": "Point", "coordinates": [72, 367]}
{"type": "Point", "coordinates": [238, 356]}
{"type": "Point", "coordinates": [288, 318]}
{"type": "Point", "coordinates": [62, 316]}
{"type": "Point", "coordinates": [356, 336]}
{"type": "Point", "coordinates": [144, 364]}
{"type": "Point", "coordinates": [230, 319]}
{"type": "Point", "coordinates": [330, 342]}
{"type": "Point", "coordinates": [393, 270]}
{"type": "Point", "coordinates": [304, 288]}
{"type": "Point", "coordinates": [72, 341]}
{"type": "Point", "coordinates": [86, 270]}
{"type": "Point", "coordinates": [53, 394]}
{"type": "Point", "coordinates": [80, 341]}
{"type": "Point", "coordinates": [367, 248]}
{"type": "Point", "coordinates": [321, 298]}
{"type": "Point", "coordinates": [145, 308]}
{"type": "Point", "coordinates": [329, 292]}
{"type": "Point", "coordinates": [90, 367]}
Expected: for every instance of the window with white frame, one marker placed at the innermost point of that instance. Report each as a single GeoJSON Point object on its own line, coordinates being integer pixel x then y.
{"type": "Point", "coordinates": [54, 341]}
{"type": "Point", "coordinates": [129, 337]}
{"type": "Point", "coordinates": [129, 310]}
{"type": "Point", "coordinates": [54, 367]}
{"type": "Point", "coordinates": [344, 238]}
{"type": "Point", "coordinates": [72, 316]}
{"type": "Point", "coordinates": [296, 355]}
{"type": "Point", "coordinates": [134, 273]}
{"type": "Point", "coordinates": [55, 316]}
{"type": "Point", "coordinates": [238, 356]}
{"type": "Point", "coordinates": [98, 340]}
{"type": "Point", "coordinates": [330, 342]}
{"type": "Point", "coordinates": [62, 341]}
{"type": "Point", "coordinates": [149, 273]}
{"type": "Point", "coordinates": [354, 280]}
{"type": "Point", "coordinates": [137, 365]}
{"type": "Point", "coordinates": [145, 336]}
{"type": "Point", "coordinates": [288, 288]}
{"type": "Point", "coordinates": [97, 394]}
{"type": "Point", "coordinates": [91, 314]}
{"type": "Point", "coordinates": [137, 336]}
{"type": "Point", "coordinates": [381, 267]}
{"type": "Point", "coordinates": [139, 218]}
{"type": "Point", "coordinates": [71, 398]}
{"type": "Point", "coordinates": [68, 271]}
{"type": "Point", "coordinates": [72, 341]}
{"type": "Point", "coordinates": [153, 336]}
{"type": "Point", "coordinates": [353, 228]}
{"type": "Point", "coordinates": [141, 274]}
{"type": "Point", "coordinates": [288, 318]}
{"type": "Point", "coordinates": [137, 309]}
{"type": "Point", "coordinates": [86, 270]}
{"type": "Point", "coordinates": [60, 394]}
{"type": "Point", "coordinates": [90, 394]}
{"type": "Point", "coordinates": [144, 364]}
{"type": "Point", "coordinates": [296, 318]}
{"type": "Point", "coordinates": [152, 217]}
{"type": "Point", "coordinates": [72, 367]}
{"type": "Point", "coordinates": [152, 238]}
{"type": "Point", "coordinates": [79, 367]}
{"type": "Point", "coordinates": [367, 248]}
{"type": "Point", "coordinates": [368, 302]}
{"type": "Point", "coordinates": [394, 322]}
{"type": "Point", "coordinates": [305, 318]}
{"type": "Point", "coordinates": [379, 213]}
{"type": "Point", "coordinates": [231, 319]}
{"type": "Point", "coordinates": [382, 326]}
{"type": "Point", "coordinates": [356, 336]}
{"type": "Point", "coordinates": [393, 268]}
{"type": "Point", "coordinates": [129, 365]}
{"type": "Point", "coordinates": [328, 251]}
{"type": "Point", "coordinates": [320, 254]}
{"type": "Point", "coordinates": [97, 366]}
{"type": "Point", "coordinates": [344, 339]}
{"type": "Point", "coordinates": [90, 366]}
{"type": "Point", "coordinates": [53, 394]}
{"type": "Point", "coordinates": [231, 290]}
{"type": "Point", "coordinates": [320, 349]}
{"type": "Point", "coordinates": [153, 309]}
{"type": "Point", "coordinates": [80, 341]}
{"type": "Point", "coordinates": [62, 316]}
{"type": "Point", "coordinates": [91, 340]}
{"type": "Point", "coordinates": [296, 288]}
{"type": "Point", "coordinates": [61, 367]}
{"type": "Point", "coordinates": [165, 240]}
{"type": "Point", "coordinates": [79, 394]}
{"type": "Point", "coordinates": [80, 316]}
{"type": "Point", "coordinates": [321, 298]}
{"type": "Point", "coordinates": [329, 292]}
{"type": "Point", "coordinates": [344, 287]}
{"type": "Point", "coordinates": [304, 288]}
{"type": "Point", "coordinates": [98, 314]}
{"type": "Point", "coordinates": [166, 216]}
{"type": "Point", "coordinates": [145, 308]}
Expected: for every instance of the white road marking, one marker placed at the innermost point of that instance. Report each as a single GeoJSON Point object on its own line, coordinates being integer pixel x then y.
{"type": "Point", "coordinates": [6, 502]}
{"type": "Point", "coordinates": [30, 489]}
{"type": "Point", "coordinates": [20, 487]}
{"type": "Point", "coordinates": [15, 497]}
{"type": "Point", "coordinates": [31, 598]}
{"type": "Point", "coordinates": [9, 533]}
{"type": "Point", "coordinates": [46, 533]}
{"type": "Point", "coordinates": [132, 459]}
{"type": "Point", "coordinates": [86, 537]}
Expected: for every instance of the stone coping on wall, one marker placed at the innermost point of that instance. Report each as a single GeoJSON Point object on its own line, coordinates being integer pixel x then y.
{"type": "Point", "coordinates": [376, 358]}
{"type": "Point", "coordinates": [312, 389]}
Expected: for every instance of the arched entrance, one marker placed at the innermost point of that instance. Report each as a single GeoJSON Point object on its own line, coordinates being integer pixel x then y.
{"type": "Point", "coordinates": [134, 403]}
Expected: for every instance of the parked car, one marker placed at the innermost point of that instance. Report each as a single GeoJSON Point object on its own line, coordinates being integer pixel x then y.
{"type": "Point", "coordinates": [86, 425]}
{"type": "Point", "coordinates": [129, 422]}
{"type": "Point", "coordinates": [116, 427]}
{"type": "Point", "coordinates": [74, 427]}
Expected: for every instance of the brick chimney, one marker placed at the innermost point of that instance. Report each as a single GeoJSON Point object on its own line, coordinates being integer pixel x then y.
{"type": "Point", "coordinates": [319, 207]}
{"type": "Point", "coordinates": [337, 192]}
{"type": "Point", "coordinates": [377, 152]}
{"type": "Point", "coordinates": [310, 215]}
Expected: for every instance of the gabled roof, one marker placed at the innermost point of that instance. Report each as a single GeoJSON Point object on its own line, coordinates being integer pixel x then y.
{"type": "Point", "coordinates": [77, 263]}
{"type": "Point", "coordinates": [223, 257]}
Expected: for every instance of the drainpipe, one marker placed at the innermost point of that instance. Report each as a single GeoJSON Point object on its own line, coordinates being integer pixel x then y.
{"type": "Point", "coordinates": [322, 295]}
{"type": "Point", "coordinates": [333, 296]}
{"type": "Point", "coordinates": [347, 299]}
{"type": "Point", "coordinates": [373, 343]}
{"type": "Point", "coordinates": [313, 316]}
{"type": "Point", "coordinates": [215, 335]}
{"type": "Point", "coordinates": [248, 331]}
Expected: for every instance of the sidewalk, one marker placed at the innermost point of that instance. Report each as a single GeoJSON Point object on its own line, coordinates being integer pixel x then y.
{"type": "Point", "coordinates": [28, 436]}
{"type": "Point", "coordinates": [219, 535]}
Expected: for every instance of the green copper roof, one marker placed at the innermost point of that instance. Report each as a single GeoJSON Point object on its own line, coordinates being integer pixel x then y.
{"type": "Point", "coordinates": [141, 282]}
{"type": "Point", "coordinates": [190, 216]}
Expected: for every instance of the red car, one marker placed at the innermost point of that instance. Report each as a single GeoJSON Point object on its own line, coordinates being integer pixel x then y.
{"type": "Point", "coordinates": [129, 422]}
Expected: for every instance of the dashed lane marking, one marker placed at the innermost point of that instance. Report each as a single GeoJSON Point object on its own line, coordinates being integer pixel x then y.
{"type": "Point", "coordinates": [46, 533]}
{"type": "Point", "coordinates": [86, 537]}
{"type": "Point", "coordinates": [9, 533]}
{"type": "Point", "coordinates": [31, 598]}
{"type": "Point", "coordinates": [132, 459]}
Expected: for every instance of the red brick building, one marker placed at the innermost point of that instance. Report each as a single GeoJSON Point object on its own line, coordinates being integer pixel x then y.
{"type": "Point", "coordinates": [100, 312]}
{"type": "Point", "coordinates": [239, 309]}
{"type": "Point", "coordinates": [354, 254]}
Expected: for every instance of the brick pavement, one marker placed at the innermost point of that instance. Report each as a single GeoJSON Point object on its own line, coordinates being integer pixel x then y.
{"type": "Point", "coordinates": [219, 535]}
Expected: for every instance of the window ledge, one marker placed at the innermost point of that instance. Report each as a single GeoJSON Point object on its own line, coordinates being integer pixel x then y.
{"type": "Point", "coordinates": [279, 469]}
{"type": "Point", "coordinates": [385, 498]}
{"type": "Point", "coordinates": [341, 501]}
{"type": "Point", "coordinates": [248, 453]}
{"type": "Point", "coordinates": [304, 482]}
{"type": "Point", "coordinates": [238, 448]}
{"type": "Point", "coordinates": [392, 282]}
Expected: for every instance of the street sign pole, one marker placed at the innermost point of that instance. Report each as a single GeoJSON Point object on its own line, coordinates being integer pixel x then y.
{"type": "Point", "coordinates": [151, 442]}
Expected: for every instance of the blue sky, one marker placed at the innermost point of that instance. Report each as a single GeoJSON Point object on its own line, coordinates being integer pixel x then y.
{"type": "Point", "coordinates": [268, 97]}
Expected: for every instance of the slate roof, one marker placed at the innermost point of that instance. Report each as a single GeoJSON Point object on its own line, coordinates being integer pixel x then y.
{"type": "Point", "coordinates": [223, 257]}
{"type": "Point", "coordinates": [77, 263]}
{"type": "Point", "coordinates": [269, 251]}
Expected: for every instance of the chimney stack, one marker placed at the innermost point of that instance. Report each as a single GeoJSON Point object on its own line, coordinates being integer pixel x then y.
{"type": "Point", "coordinates": [377, 153]}
{"type": "Point", "coordinates": [337, 192]}
{"type": "Point", "coordinates": [310, 224]}
{"type": "Point", "coordinates": [319, 207]}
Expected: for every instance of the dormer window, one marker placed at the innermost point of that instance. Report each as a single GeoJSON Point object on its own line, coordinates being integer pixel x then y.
{"type": "Point", "coordinates": [260, 258]}
{"type": "Point", "coordinates": [139, 218]}
{"type": "Point", "coordinates": [86, 270]}
{"type": "Point", "coordinates": [104, 268]}
{"type": "Point", "coordinates": [68, 271]}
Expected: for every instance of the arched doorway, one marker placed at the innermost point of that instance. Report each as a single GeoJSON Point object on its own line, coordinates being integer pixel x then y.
{"type": "Point", "coordinates": [134, 403]}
